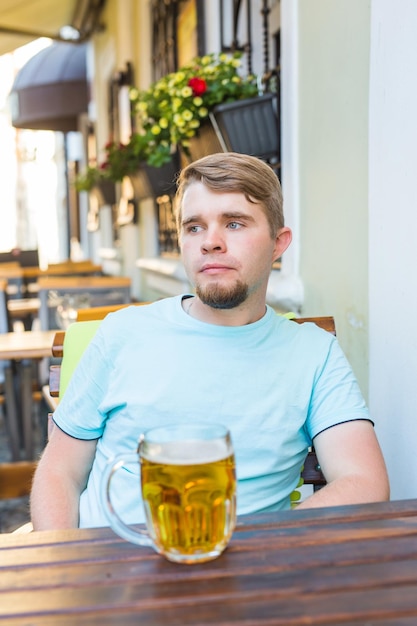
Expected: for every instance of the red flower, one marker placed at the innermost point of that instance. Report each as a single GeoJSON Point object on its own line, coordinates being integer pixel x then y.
{"type": "Point", "coordinates": [198, 85]}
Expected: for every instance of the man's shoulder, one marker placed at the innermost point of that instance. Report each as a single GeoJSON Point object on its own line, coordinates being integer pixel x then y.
{"type": "Point", "coordinates": [135, 317]}
{"type": "Point", "coordinates": [305, 331]}
{"type": "Point", "coordinates": [142, 310]}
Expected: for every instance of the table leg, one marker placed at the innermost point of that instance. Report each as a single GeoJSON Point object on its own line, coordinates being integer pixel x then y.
{"type": "Point", "coordinates": [11, 413]}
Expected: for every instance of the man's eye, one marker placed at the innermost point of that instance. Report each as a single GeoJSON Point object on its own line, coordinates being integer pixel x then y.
{"type": "Point", "coordinates": [193, 229]}
{"type": "Point", "coordinates": [234, 225]}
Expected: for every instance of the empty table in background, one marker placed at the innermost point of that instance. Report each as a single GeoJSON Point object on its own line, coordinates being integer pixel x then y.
{"type": "Point", "coordinates": [24, 347]}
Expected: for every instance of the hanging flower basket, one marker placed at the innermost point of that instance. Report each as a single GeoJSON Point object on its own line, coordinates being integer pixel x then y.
{"type": "Point", "coordinates": [175, 108]}
{"type": "Point", "coordinates": [151, 181]}
{"type": "Point", "coordinates": [249, 126]}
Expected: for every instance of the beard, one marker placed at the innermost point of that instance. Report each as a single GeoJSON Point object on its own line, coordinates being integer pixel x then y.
{"type": "Point", "coordinates": [219, 297]}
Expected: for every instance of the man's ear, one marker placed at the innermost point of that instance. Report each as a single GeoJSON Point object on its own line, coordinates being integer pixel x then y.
{"type": "Point", "coordinates": [282, 241]}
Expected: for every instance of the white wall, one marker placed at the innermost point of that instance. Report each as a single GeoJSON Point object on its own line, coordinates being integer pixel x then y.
{"type": "Point", "coordinates": [392, 238]}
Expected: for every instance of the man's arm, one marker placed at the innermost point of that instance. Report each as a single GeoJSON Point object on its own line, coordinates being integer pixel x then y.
{"type": "Point", "coordinates": [60, 478]}
{"type": "Point", "coordinates": [352, 463]}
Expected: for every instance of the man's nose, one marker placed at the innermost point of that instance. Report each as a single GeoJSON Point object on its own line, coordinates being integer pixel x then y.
{"type": "Point", "coordinates": [212, 241]}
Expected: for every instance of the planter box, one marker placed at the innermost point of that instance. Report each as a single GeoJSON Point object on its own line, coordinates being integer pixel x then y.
{"type": "Point", "coordinates": [155, 181]}
{"type": "Point", "coordinates": [249, 126]}
{"type": "Point", "coordinates": [205, 142]}
{"type": "Point", "coordinates": [105, 192]}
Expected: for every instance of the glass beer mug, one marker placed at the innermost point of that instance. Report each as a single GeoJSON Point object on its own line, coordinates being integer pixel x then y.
{"type": "Point", "coordinates": [188, 484]}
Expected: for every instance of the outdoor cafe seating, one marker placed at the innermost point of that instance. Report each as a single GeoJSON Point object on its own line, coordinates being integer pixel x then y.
{"type": "Point", "coordinates": [22, 273]}
{"type": "Point", "coordinates": [25, 357]}
{"type": "Point", "coordinates": [27, 262]}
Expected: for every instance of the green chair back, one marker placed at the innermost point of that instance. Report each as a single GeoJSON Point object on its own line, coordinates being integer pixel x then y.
{"type": "Point", "coordinates": [77, 337]}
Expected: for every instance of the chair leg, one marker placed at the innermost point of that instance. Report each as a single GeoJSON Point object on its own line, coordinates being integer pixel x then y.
{"type": "Point", "coordinates": [26, 382]}
{"type": "Point", "coordinates": [11, 413]}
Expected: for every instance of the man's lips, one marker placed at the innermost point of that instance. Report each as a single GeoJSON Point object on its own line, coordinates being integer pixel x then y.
{"type": "Point", "coordinates": [215, 268]}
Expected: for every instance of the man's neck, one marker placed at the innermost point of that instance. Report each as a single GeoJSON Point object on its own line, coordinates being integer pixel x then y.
{"type": "Point", "coordinates": [246, 313]}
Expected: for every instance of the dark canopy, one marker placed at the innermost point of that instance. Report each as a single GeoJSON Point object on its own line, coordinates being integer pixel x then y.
{"type": "Point", "coordinates": [51, 90]}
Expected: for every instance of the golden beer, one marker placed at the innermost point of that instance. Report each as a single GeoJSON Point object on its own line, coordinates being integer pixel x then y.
{"type": "Point", "coordinates": [189, 495]}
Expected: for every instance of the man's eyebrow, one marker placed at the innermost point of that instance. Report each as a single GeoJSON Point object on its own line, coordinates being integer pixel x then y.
{"type": "Point", "coordinates": [227, 215]}
{"type": "Point", "coordinates": [190, 220]}
{"type": "Point", "coordinates": [235, 215]}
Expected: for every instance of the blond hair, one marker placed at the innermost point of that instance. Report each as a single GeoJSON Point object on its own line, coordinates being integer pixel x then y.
{"type": "Point", "coordinates": [238, 173]}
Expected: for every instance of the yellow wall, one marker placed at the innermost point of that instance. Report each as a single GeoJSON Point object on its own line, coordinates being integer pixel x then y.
{"type": "Point", "coordinates": [333, 129]}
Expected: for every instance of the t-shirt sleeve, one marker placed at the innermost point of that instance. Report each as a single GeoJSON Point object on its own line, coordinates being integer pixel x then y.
{"type": "Point", "coordinates": [78, 413]}
{"type": "Point", "coordinates": [336, 396]}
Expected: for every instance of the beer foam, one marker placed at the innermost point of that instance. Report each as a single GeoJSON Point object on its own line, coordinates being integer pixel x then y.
{"type": "Point", "coordinates": [190, 452]}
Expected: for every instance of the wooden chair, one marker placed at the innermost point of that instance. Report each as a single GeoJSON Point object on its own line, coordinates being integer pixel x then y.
{"type": "Point", "coordinates": [16, 482]}
{"type": "Point", "coordinates": [311, 474]}
{"type": "Point", "coordinates": [16, 479]}
{"type": "Point", "coordinates": [100, 312]}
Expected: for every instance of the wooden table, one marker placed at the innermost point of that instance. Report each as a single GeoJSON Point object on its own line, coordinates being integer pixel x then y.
{"type": "Point", "coordinates": [31, 344]}
{"type": "Point", "coordinates": [22, 347]}
{"type": "Point", "coordinates": [23, 308]}
{"type": "Point", "coordinates": [338, 565]}
{"type": "Point", "coordinates": [66, 268]}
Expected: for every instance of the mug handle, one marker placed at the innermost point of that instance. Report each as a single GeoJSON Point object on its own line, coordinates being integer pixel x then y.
{"type": "Point", "coordinates": [139, 537]}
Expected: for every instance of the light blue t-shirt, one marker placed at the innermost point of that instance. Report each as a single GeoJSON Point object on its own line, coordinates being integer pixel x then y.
{"type": "Point", "coordinates": [274, 383]}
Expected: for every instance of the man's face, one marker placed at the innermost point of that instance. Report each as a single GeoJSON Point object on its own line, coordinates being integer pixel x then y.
{"type": "Point", "coordinates": [226, 246]}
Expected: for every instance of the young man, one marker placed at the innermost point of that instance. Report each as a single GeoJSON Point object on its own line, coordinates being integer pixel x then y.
{"type": "Point", "coordinates": [220, 355]}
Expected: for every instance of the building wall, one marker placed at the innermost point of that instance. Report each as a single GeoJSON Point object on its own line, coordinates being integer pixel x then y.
{"type": "Point", "coordinates": [128, 37]}
{"type": "Point", "coordinates": [357, 202]}
{"type": "Point", "coordinates": [334, 44]}
{"type": "Point", "coordinates": [392, 246]}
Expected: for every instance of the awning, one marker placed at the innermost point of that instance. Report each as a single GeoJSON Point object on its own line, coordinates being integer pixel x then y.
{"type": "Point", "coordinates": [22, 21]}
{"type": "Point", "coordinates": [51, 89]}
